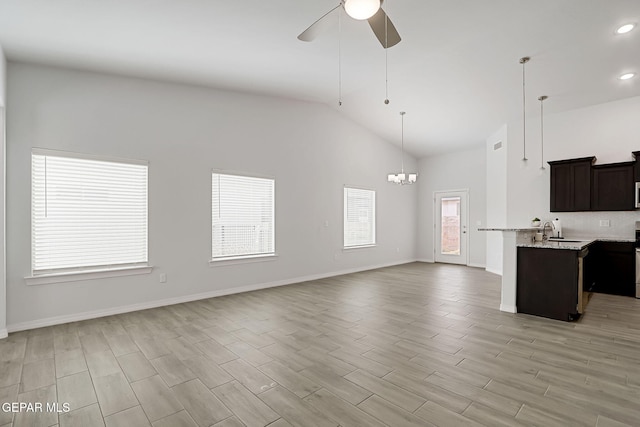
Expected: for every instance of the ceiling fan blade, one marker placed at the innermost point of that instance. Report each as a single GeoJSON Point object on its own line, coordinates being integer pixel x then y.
{"type": "Point", "coordinates": [388, 37]}
{"type": "Point", "coordinates": [317, 27]}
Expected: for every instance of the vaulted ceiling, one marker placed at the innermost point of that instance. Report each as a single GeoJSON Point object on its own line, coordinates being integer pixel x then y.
{"type": "Point", "coordinates": [455, 73]}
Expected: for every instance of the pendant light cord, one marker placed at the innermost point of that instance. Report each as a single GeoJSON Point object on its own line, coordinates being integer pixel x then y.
{"type": "Point", "coordinates": [339, 58]}
{"type": "Point", "coordinates": [524, 115]}
{"type": "Point", "coordinates": [541, 99]}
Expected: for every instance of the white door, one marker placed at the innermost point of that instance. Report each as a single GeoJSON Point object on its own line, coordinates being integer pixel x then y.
{"type": "Point", "coordinates": [451, 226]}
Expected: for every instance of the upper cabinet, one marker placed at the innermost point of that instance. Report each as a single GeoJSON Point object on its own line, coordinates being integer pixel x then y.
{"type": "Point", "coordinates": [579, 185]}
{"type": "Point", "coordinates": [613, 187]}
{"type": "Point", "coordinates": [571, 185]}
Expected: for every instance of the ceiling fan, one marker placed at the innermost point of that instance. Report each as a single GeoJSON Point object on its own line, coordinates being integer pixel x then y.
{"type": "Point", "coordinates": [371, 10]}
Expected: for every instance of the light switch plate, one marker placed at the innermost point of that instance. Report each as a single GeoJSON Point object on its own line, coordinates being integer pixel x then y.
{"type": "Point", "coordinates": [605, 223]}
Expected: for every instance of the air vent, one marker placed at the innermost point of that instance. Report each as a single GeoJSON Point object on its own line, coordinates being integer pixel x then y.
{"type": "Point", "coordinates": [497, 146]}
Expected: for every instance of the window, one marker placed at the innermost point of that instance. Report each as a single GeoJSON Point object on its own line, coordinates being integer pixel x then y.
{"type": "Point", "coordinates": [359, 217]}
{"type": "Point", "coordinates": [86, 213]}
{"type": "Point", "coordinates": [242, 216]}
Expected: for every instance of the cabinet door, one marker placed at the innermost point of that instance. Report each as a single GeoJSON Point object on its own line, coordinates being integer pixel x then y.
{"type": "Point", "coordinates": [616, 268]}
{"type": "Point", "coordinates": [581, 186]}
{"type": "Point", "coordinates": [571, 185]}
{"type": "Point", "coordinates": [547, 282]}
{"type": "Point", "coordinates": [613, 188]}
{"type": "Point", "coordinates": [561, 188]}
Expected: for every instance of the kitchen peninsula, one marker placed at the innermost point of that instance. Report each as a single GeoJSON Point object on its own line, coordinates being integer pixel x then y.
{"type": "Point", "coordinates": [553, 278]}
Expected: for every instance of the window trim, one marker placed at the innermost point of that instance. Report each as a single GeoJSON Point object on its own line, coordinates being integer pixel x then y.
{"type": "Point", "coordinates": [89, 272]}
{"type": "Point", "coordinates": [239, 259]}
{"type": "Point", "coordinates": [375, 219]}
{"type": "Point", "coordinates": [242, 259]}
{"type": "Point", "coordinates": [84, 156]}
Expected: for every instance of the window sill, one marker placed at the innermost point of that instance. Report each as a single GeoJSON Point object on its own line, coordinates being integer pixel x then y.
{"type": "Point", "coordinates": [349, 248]}
{"type": "Point", "coordinates": [220, 262]}
{"type": "Point", "coordinates": [76, 276]}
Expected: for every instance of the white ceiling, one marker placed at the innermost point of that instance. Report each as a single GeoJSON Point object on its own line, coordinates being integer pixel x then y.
{"type": "Point", "coordinates": [455, 73]}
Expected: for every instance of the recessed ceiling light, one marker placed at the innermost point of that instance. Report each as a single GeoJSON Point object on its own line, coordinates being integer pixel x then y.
{"type": "Point", "coordinates": [625, 28]}
{"type": "Point", "coordinates": [627, 76]}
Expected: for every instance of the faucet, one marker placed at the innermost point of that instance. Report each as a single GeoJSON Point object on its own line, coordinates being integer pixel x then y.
{"type": "Point", "coordinates": [544, 229]}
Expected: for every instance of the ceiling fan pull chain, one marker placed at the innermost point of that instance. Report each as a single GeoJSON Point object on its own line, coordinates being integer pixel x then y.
{"type": "Point", "coordinates": [339, 58]}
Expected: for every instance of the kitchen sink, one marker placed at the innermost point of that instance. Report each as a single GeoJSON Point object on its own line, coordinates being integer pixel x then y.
{"type": "Point", "coordinates": [555, 239]}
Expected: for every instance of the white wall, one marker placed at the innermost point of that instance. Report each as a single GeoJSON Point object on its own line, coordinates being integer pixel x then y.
{"type": "Point", "coordinates": [3, 293]}
{"type": "Point", "coordinates": [609, 131]}
{"type": "Point", "coordinates": [496, 182]}
{"type": "Point", "coordinates": [453, 171]}
{"type": "Point", "coordinates": [184, 132]}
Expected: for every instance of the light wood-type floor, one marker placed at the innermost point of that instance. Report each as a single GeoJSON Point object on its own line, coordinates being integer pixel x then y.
{"type": "Point", "coordinates": [412, 345]}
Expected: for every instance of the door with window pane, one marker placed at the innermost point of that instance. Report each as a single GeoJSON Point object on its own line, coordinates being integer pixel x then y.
{"type": "Point", "coordinates": [451, 227]}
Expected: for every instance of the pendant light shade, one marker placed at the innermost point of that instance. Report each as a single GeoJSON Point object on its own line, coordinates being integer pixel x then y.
{"type": "Point", "coordinates": [361, 9]}
{"type": "Point", "coordinates": [402, 178]}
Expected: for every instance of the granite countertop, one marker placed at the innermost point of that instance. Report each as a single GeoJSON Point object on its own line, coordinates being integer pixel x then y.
{"type": "Point", "coordinates": [510, 229]}
{"type": "Point", "coordinates": [575, 244]}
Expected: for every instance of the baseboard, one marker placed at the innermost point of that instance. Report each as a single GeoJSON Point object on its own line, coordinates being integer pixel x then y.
{"type": "Point", "coordinates": [426, 260]}
{"type": "Point", "coordinates": [494, 271]}
{"type": "Point", "coordinates": [57, 320]}
{"type": "Point", "coordinates": [508, 308]}
{"type": "Point", "coordinates": [4, 333]}
{"type": "Point", "coordinates": [476, 265]}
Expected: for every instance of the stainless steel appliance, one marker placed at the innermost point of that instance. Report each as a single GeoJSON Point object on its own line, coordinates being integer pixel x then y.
{"type": "Point", "coordinates": [637, 258]}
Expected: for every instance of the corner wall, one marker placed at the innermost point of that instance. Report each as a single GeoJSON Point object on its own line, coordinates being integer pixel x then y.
{"type": "Point", "coordinates": [496, 152]}
{"type": "Point", "coordinates": [184, 132]}
{"type": "Point", "coordinates": [3, 289]}
{"type": "Point", "coordinates": [453, 171]}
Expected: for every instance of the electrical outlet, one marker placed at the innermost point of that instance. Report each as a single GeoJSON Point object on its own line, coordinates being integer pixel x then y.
{"type": "Point", "coordinates": [163, 277]}
{"type": "Point", "coordinates": [605, 223]}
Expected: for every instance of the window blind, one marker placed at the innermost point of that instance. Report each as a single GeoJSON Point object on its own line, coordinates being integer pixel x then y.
{"type": "Point", "coordinates": [242, 216]}
{"type": "Point", "coordinates": [87, 213]}
{"type": "Point", "coordinates": [359, 217]}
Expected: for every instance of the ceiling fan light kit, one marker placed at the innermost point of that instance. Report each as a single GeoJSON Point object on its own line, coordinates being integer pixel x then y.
{"type": "Point", "coordinates": [371, 10]}
{"type": "Point", "coordinates": [361, 9]}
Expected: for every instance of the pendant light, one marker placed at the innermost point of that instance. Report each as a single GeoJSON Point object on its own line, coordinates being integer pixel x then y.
{"type": "Point", "coordinates": [523, 61]}
{"type": "Point", "coordinates": [401, 177]}
{"type": "Point", "coordinates": [541, 99]}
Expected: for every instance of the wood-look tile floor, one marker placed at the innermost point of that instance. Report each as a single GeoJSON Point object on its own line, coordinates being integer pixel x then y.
{"type": "Point", "coordinates": [412, 345]}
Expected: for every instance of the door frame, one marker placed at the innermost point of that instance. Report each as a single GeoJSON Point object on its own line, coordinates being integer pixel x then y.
{"type": "Point", "coordinates": [464, 236]}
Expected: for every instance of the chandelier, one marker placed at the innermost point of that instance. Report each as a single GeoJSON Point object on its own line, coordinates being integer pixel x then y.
{"type": "Point", "coordinates": [401, 177]}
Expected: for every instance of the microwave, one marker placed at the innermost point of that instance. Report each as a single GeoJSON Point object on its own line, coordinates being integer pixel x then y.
{"type": "Point", "coordinates": [637, 195]}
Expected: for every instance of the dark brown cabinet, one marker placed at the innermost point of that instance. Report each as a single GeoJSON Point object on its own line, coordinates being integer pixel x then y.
{"type": "Point", "coordinates": [571, 185]}
{"type": "Point", "coordinates": [549, 282]}
{"type": "Point", "coordinates": [614, 268]}
{"type": "Point", "coordinates": [613, 187]}
{"type": "Point", "coordinates": [636, 167]}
